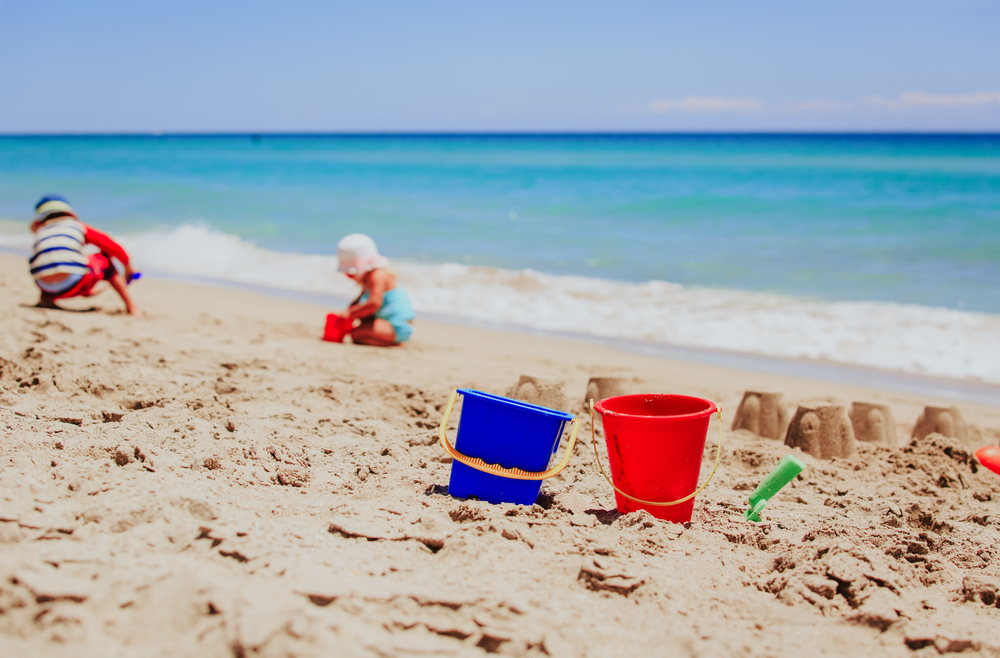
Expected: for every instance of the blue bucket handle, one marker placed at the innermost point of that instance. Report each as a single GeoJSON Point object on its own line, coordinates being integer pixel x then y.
{"type": "Point", "coordinates": [497, 469]}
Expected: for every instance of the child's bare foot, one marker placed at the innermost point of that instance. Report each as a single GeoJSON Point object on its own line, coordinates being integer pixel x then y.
{"type": "Point", "coordinates": [136, 313]}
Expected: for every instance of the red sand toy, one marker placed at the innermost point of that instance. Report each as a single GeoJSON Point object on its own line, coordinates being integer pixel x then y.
{"type": "Point", "coordinates": [990, 458]}
{"type": "Point", "coordinates": [337, 327]}
{"type": "Point", "coordinates": [655, 444]}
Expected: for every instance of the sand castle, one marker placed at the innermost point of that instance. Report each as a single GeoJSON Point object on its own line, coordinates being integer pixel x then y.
{"type": "Point", "coordinates": [601, 388]}
{"type": "Point", "coordinates": [941, 420]}
{"type": "Point", "coordinates": [544, 391]}
{"type": "Point", "coordinates": [763, 413]}
{"type": "Point", "coordinates": [873, 423]}
{"type": "Point", "coordinates": [823, 430]}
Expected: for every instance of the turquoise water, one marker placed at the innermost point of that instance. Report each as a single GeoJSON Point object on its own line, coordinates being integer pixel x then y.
{"type": "Point", "coordinates": [912, 219]}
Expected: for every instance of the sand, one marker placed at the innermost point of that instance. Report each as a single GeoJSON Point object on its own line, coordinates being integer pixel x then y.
{"type": "Point", "coordinates": [213, 480]}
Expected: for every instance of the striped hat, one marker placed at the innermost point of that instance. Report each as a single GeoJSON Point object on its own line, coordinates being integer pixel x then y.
{"type": "Point", "coordinates": [50, 205]}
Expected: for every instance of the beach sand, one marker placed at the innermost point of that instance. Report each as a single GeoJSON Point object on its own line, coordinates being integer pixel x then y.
{"type": "Point", "coordinates": [214, 480]}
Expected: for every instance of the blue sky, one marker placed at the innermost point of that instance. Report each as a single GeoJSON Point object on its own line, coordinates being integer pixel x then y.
{"type": "Point", "coordinates": [116, 66]}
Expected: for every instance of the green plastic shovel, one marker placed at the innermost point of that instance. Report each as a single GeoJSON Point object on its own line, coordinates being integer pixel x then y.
{"type": "Point", "coordinates": [783, 473]}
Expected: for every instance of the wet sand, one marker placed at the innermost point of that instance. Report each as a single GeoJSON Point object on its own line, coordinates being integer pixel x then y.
{"type": "Point", "coordinates": [214, 480]}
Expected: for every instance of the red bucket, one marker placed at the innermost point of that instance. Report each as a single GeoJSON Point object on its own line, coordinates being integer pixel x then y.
{"type": "Point", "coordinates": [655, 444]}
{"type": "Point", "coordinates": [337, 327]}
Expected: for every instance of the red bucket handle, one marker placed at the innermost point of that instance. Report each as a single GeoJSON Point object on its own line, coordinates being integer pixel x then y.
{"type": "Point", "coordinates": [718, 455]}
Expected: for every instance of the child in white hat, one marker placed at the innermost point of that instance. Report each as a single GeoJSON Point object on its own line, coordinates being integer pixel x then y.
{"type": "Point", "coordinates": [383, 308]}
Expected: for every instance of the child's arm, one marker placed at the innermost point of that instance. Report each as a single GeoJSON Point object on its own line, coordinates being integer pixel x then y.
{"type": "Point", "coordinates": [104, 242]}
{"type": "Point", "coordinates": [379, 280]}
{"type": "Point", "coordinates": [121, 287]}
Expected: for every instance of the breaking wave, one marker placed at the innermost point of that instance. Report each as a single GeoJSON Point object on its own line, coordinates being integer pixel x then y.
{"type": "Point", "coordinates": [899, 337]}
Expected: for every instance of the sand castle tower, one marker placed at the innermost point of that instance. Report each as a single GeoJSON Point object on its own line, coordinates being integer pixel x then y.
{"type": "Point", "coordinates": [544, 391]}
{"type": "Point", "coordinates": [823, 430]}
{"type": "Point", "coordinates": [942, 420]}
{"type": "Point", "coordinates": [601, 388]}
{"type": "Point", "coordinates": [763, 413]}
{"type": "Point", "coordinates": [873, 423]}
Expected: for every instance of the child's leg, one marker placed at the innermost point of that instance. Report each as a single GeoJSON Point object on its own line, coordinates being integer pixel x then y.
{"type": "Point", "coordinates": [117, 282]}
{"type": "Point", "coordinates": [374, 331]}
{"type": "Point", "coordinates": [47, 301]}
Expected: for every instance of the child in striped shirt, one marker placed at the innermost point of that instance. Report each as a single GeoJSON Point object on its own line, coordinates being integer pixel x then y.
{"type": "Point", "coordinates": [59, 264]}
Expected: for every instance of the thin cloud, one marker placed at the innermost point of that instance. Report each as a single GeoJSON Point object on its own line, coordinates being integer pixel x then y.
{"type": "Point", "coordinates": [706, 104]}
{"type": "Point", "coordinates": [919, 99]}
{"type": "Point", "coordinates": [911, 100]}
{"type": "Point", "coordinates": [814, 106]}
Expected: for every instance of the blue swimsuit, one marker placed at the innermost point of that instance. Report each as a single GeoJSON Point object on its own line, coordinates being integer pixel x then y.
{"type": "Point", "coordinates": [396, 310]}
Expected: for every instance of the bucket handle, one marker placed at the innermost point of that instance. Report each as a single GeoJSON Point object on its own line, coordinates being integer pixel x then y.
{"type": "Point", "coordinates": [718, 455]}
{"type": "Point", "coordinates": [497, 469]}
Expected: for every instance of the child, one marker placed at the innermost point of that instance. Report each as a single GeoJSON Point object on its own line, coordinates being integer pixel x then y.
{"type": "Point", "coordinates": [383, 307]}
{"type": "Point", "coordinates": [58, 263]}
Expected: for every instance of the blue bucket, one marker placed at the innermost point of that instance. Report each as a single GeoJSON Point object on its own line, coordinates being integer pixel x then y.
{"type": "Point", "coordinates": [507, 432]}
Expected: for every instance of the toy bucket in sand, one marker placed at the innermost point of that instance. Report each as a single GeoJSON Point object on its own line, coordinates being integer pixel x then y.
{"type": "Point", "coordinates": [655, 444]}
{"type": "Point", "coordinates": [989, 456]}
{"type": "Point", "coordinates": [503, 447]}
{"type": "Point", "coordinates": [336, 328]}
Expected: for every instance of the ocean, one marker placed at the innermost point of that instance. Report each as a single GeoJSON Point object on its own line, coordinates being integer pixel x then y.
{"type": "Point", "coordinates": [870, 250]}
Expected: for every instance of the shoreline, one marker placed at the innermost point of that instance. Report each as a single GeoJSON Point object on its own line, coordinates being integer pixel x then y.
{"type": "Point", "coordinates": [959, 390]}
{"type": "Point", "coordinates": [937, 387]}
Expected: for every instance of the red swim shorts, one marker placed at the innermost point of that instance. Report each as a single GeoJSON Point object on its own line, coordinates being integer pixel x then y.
{"type": "Point", "coordinates": [101, 269]}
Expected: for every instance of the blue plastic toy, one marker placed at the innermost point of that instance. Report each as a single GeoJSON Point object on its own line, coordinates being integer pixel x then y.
{"type": "Point", "coordinates": [503, 447]}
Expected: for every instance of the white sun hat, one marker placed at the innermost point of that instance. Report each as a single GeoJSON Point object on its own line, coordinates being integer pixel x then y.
{"type": "Point", "coordinates": [358, 254]}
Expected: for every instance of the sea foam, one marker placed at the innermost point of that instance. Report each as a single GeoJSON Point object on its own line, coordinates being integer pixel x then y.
{"type": "Point", "coordinates": [899, 337]}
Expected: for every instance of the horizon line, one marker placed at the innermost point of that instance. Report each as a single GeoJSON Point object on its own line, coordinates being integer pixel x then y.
{"type": "Point", "coordinates": [517, 133]}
